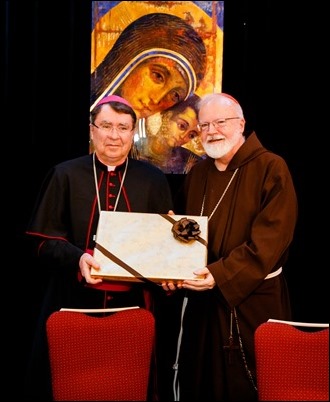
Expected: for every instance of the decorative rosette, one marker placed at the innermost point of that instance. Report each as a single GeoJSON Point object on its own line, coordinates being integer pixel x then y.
{"type": "Point", "coordinates": [186, 230]}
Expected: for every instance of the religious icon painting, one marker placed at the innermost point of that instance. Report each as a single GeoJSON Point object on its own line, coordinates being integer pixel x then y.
{"type": "Point", "coordinates": [161, 57]}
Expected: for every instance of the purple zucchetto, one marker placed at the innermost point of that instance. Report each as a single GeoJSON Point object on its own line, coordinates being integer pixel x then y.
{"type": "Point", "coordinates": [114, 98]}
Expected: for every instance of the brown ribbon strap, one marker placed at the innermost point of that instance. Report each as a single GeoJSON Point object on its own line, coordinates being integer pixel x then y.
{"type": "Point", "coordinates": [122, 264]}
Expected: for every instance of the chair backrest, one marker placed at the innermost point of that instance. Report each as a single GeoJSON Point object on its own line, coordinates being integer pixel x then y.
{"type": "Point", "coordinates": [292, 363]}
{"type": "Point", "coordinates": [100, 358]}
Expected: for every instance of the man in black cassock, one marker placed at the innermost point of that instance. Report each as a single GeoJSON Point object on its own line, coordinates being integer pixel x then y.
{"type": "Point", "coordinates": [64, 222]}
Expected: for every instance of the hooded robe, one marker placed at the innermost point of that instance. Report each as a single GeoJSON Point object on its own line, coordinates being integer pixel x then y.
{"type": "Point", "coordinates": [250, 232]}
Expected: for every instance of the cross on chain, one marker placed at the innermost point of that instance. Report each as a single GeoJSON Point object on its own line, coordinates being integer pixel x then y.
{"type": "Point", "coordinates": [230, 348]}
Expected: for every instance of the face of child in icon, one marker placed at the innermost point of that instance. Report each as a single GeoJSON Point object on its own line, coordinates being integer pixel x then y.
{"type": "Point", "coordinates": [154, 86]}
{"type": "Point", "coordinates": [176, 130]}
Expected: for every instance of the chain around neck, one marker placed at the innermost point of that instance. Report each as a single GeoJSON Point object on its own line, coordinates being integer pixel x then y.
{"type": "Point", "coordinates": [220, 199]}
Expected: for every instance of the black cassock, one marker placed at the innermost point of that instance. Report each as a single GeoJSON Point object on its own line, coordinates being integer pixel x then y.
{"type": "Point", "coordinates": [63, 226]}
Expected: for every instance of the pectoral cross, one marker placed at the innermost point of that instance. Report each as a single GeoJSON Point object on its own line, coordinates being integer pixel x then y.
{"type": "Point", "coordinates": [231, 346]}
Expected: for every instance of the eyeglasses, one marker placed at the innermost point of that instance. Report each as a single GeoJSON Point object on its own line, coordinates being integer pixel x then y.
{"type": "Point", "coordinates": [219, 123]}
{"type": "Point", "coordinates": [108, 127]}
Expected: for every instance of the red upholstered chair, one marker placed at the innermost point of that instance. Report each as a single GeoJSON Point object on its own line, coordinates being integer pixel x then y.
{"type": "Point", "coordinates": [100, 358]}
{"type": "Point", "coordinates": [292, 363]}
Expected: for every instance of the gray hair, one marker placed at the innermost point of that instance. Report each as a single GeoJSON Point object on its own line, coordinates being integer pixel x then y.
{"type": "Point", "coordinates": [221, 99]}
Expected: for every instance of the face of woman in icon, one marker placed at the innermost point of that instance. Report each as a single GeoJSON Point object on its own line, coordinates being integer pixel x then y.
{"type": "Point", "coordinates": [154, 86]}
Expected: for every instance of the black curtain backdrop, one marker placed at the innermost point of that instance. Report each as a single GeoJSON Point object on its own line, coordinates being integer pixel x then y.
{"type": "Point", "coordinates": [272, 64]}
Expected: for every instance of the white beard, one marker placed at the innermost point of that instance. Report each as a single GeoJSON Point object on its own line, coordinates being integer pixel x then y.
{"type": "Point", "coordinates": [217, 150]}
